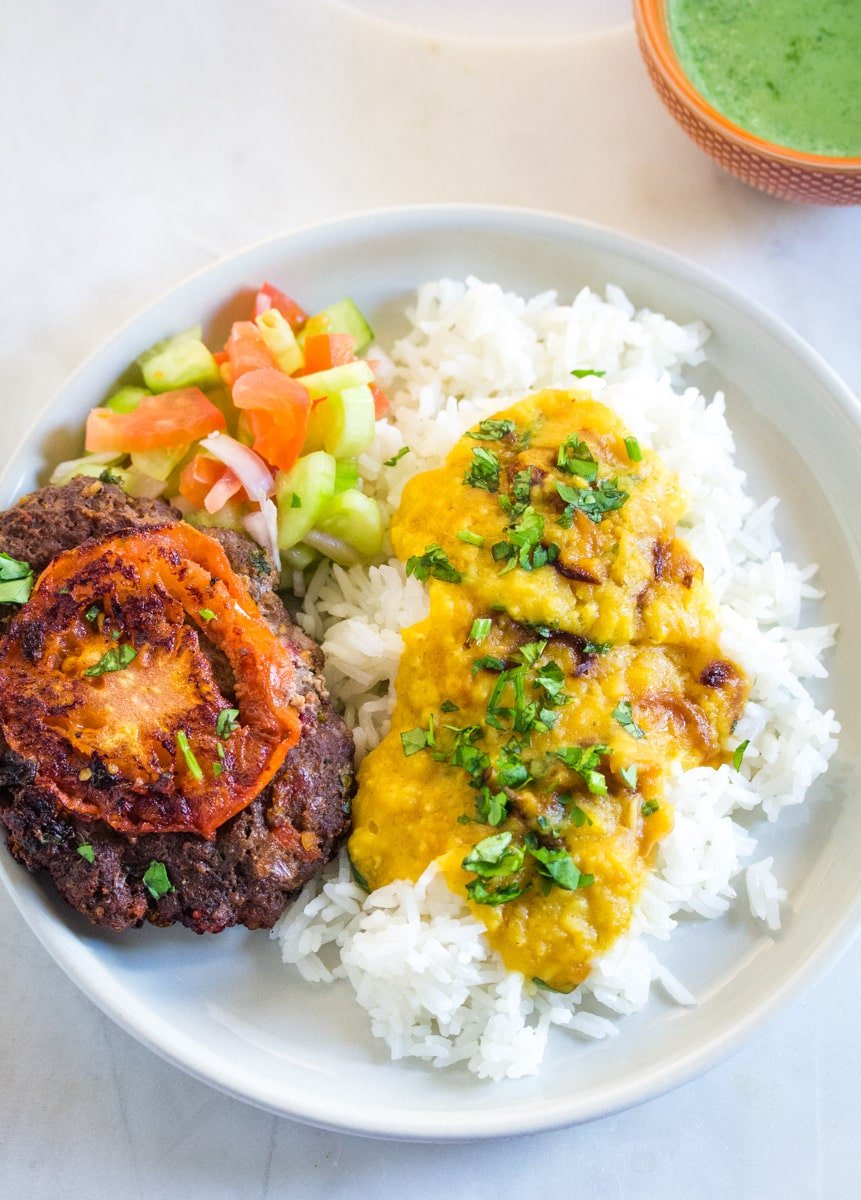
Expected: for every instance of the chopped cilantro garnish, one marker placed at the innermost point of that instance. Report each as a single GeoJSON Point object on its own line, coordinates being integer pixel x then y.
{"type": "Point", "coordinates": [227, 722]}
{"type": "Point", "coordinates": [517, 501]}
{"type": "Point", "coordinates": [597, 647]}
{"type": "Point", "coordinates": [551, 679]}
{"type": "Point", "coordinates": [417, 739]}
{"type": "Point", "coordinates": [217, 769]}
{"type": "Point", "coordinates": [492, 430]}
{"type": "Point", "coordinates": [295, 500]}
{"type": "Point", "coordinates": [593, 502]}
{"type": "Point", "coordinates": [396, 458]}
{"type": "Point", "coordinates": [629, 775]}
{"type": "Point", "coordinates": [108, 476]}
{"type": "Point", "coordinates": [92, 613]}
{"type": "Point", "coordinates": [575, 458]}
{"type": "Point", "coordinates": [433, 562]}
{"type": "Point", "coordinates": [115, 659]}
{"type": "Point", "coordinates": [488, 662]}
{"type": "Point", "coordinates": [491, 807]}
{"type": "Point", "coordinates": [583, 372]}
{"type": "Point", "coordinates": [584, 761]}
{"type": "Point", "coordinates": [739, 752]}
{"type": "Point", "coordinates": [484, 472]}
{"type": "Point", "coordinates": [632, 446]}
{"type": "Point", "coordinates": [207, 614]}
{"type": "Point", "coordinates": [579, 817]}
{"type": "Point", "coordinates": [557, 865]}
{"type": "Point", "coordinates": [87, 852]}
{"type": "Point", "coordinates": [494, 856]}
{"type": "Point", "coordinates": [530, 652]}
{"type": "Point", "coordinates": [480, 629]}
{"type": "Point", "coordinates": [471, 539]}
{"type": "Point", "coordinates": [449, 706]}
{"type": "Point", "coordinates": [649, 807]}
{"type": "Point", "coordinates": [194, 768]}
{"type": "Point", "coordinates": [16, 580]}
{"type": "Point", "coordinates": [524, 546]}
{"type": "Point", "coordinates": [479, 893]}
{"type": "Point", "coordinates": [623, 714]}
{"type": "Point", "coordinates": [156, 880]}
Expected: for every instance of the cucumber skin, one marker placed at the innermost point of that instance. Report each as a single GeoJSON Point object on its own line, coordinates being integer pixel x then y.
{"type": "Point", "coordinates": [312, 479]}
{"type": "Point", "coordinates": [179, 362]}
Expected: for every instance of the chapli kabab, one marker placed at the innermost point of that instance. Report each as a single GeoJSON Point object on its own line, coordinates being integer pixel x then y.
{"type": "Point", "coordinates": [169, 750]}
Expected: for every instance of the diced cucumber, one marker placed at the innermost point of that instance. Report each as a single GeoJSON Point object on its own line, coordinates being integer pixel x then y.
{"type": "Point", "coordinates": [227, 517]}
{"type": "Point", "coordinates": [312, 481]}
{"type": "Point", "coordinates": [157, 464]}
{"type": "Point", "coordinates": [91, 465]}
{"type": "Point", "coordinates": [346, 475]}
{"type": "Point", "coordinates": [243, 432]}
{"type": "Point", "coordinates": [349, 421]}
{"type": "Point", "coordinates": [179, 362]}
{"type": "Point", "coordinates": [299, 558]}
{"type": "Point", "coordinates": [335, 379]}
{"type": "Point", "coordinates": [355, 519]}
{"type": "Point", "coordinates": [139, 485]}
{"type": "Point", "coordinates": [341, 317]}
{"type": "Point", "coordinates": [280, 340]}
{"type": "Point", "coordinates": [127, 399]}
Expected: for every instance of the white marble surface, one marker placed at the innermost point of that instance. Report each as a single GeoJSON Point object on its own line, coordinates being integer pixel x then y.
{"type": "Point", "coordinates": [138, 141]}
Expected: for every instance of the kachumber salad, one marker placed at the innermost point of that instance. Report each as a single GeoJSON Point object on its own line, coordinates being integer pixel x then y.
{"type": "Point", "coordinates": [562, 634]}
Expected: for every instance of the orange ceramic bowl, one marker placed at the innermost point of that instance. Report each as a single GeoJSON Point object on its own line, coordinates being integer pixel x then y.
{"type": "Point", "coordinates": [790, 174]}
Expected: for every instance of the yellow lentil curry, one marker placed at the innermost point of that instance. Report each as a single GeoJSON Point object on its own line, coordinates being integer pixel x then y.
{"type": "Point", "coordinates": [569, 665]}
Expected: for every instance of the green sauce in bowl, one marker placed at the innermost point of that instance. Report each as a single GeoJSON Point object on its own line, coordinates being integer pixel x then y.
{"type": "Point", "coordinates": [788, 71]}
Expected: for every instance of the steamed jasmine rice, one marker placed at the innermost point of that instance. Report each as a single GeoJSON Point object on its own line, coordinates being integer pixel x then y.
{"type": "Point", "coordinates": [416, 959]}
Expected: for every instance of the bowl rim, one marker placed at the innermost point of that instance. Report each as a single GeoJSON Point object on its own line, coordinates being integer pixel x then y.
{"type": "Point", "coordinates": [183, 1051]}
{"type": "Point", "coordinates": [650, 18]}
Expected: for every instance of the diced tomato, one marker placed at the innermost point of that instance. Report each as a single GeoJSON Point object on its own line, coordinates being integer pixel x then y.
{"type": "Point", "coordinates": [325, 350]}
{"type": "Point", "coordinates": [271, 297]}
{"type": "Point", "coordinates": [161, 422]}
{"type": "Point", "coordinates": [381, 400]}
{"type": "Point", "coordinates": [276, 408]}
{"type": "Point", "coordinates": [207, 483]}
{"type": "Point", "coordinates": [246, 350]}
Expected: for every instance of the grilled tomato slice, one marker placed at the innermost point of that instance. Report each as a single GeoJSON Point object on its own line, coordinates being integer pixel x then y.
{"type": "Point", "coordinates": [106, 686]}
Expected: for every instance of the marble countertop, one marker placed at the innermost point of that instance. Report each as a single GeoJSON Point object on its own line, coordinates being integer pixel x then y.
{"type": "Point", "coordinates": [140, 142]}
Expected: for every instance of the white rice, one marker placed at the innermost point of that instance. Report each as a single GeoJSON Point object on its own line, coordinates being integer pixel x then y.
{"type": "Point", "coordinates": [415, 958]}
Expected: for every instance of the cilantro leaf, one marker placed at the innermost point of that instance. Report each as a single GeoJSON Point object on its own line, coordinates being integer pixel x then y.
{"type": "Point", "coordinates": [227, 722]}
{"type": "Point", "coordinates": [484, 471]}
{"type": "Point", "coordinates": [434, 562]}
{"type": "Point", "coordinates": [583, 372]}
{"type": "Point", "coordinates": [494, 856]}
{"type": "Point", "coordinates": [593, 502]}
{"type": "Point", "coordinates": [87, 852]}
{"type": "Point", "coordinates": [115, 659]}
{"type": "Point", "coordinates": [623, 714]}
{"type": "Point", "coordinates": [575, 458]}
{"type": "Point", "coordinates": [156, 880]}
{"type": "Point", "coordinates": [396, 458]}
{"type": "Point", "coordinates": [492, 430]}
{"type": "Point", "coordinates": [738, 753]}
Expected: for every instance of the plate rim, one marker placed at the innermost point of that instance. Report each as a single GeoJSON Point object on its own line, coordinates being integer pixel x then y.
{"type": "Point", "coordinates": [178, 1048]}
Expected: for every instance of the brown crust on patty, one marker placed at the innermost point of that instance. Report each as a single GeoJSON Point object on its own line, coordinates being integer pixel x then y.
{"type": "Point", "coordinates": [257, 861]}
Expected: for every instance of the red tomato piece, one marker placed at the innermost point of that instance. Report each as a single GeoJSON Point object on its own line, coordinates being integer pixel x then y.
{"type": "Point", "coordinates": [197, 478]}
{"type": "Point", "coordinates": [276, 407]}
{"type": "Point", "coordinates": [272, 297]}
{"type": "Point", "coordinates": [325, 350]}
{"type": "Point", "coordinates": [222, 490]}
{"type": "Point", "coordinates": [381, 400]}
{"type": "Point", "coordinates": [246, 349]}
{"type": "Point", "coordinates": [161, 422]}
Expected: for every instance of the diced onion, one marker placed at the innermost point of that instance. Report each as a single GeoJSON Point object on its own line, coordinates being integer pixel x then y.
{"type": "Point", "coordinates": [222, 491]}
{"type": "Point", "coordinates": [248, 467]}
{"type": "Point", "coordinates": [332, 547]}
{"type": "Point", "coordinates": [263, 527]}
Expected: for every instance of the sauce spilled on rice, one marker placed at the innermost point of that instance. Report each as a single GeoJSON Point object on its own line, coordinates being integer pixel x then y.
{"type": "Point", "coordinates": [568, 667]}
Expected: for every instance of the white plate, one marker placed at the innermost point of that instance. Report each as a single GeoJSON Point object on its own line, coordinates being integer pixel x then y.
{"type": "Point", "coordinates": [223, 1007]}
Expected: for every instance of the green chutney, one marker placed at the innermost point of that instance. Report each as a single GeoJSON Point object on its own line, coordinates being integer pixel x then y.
{"type": "Point", "coordinates": [788, 71]}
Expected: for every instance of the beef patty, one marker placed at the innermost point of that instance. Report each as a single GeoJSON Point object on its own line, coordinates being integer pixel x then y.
{"type": "Point", "coordinates": [257, 861]}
